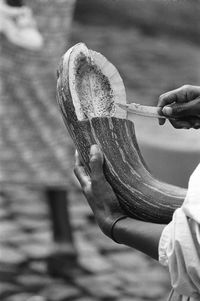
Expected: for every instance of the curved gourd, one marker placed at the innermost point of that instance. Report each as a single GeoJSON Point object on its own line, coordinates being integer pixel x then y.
{"type": "Point", "coordinates": [88, 88]}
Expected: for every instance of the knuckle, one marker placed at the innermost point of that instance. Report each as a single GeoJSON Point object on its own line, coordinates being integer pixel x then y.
{"type": "Point", "coordinates": [94, 162]}
{"type": "Point", "coordinates": [86, 190]}
{"type": "Point", "coordinates": [97, 181]}
{"type": "Point", "coordinates": [186, 87]}
{"type": "Point", "coordinates": [94, 181]}
{"type": "Point", "coordinates": [161, 97]}
{"type": "Point", "coordinates": [93, 159]}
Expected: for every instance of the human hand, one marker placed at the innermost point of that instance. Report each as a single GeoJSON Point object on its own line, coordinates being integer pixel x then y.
{"type": "Point", "coordinates": [183, 106]}
{"type": "Point", "coordinates": [98, 191]}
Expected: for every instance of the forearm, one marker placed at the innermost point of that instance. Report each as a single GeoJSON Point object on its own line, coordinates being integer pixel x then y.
{"type": "Point", "coordinates": [139, 235]}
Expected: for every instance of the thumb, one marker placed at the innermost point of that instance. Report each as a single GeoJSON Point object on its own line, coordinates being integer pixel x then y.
{"type": "Point", "coordinates": [191, 108]}
{"type": "Point", "coordinates": [96, 161]}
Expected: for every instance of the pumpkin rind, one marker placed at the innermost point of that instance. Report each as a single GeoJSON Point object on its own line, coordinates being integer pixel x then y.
{"type": "Point", "coordinates": [139, 193]}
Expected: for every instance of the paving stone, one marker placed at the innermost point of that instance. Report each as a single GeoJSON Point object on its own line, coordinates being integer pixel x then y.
{"type": "Point", "coordinates": [7, 289]}
{"type": "Point", "coordinates": [24, 195]}
{"type": "Point", "coordinates": [33, 281]}
{"type": "Point", "coordinates": [8, 272]}
{"type": "Point", "coordinates": [11, 255]}
{"type": "Point", "coordinates": [84, 245]}
{"type": "Point", "coordinates": [141, 280]}
{"type": "Point", "coordinates": [155, 275]}
{"type": "Point", "coordinates": [101, 286]}
{"type": "Point", "coordinates": [130, 260]}
{"type": "Point", "coordinates": [60, 292]}
{"type": "Point", "coordinates": [132, 299]}
{"type": "Point", "coordinates": [33, 224]}
{"type": "Point", "coordinates": [44, 235]}
{"type": "Point", "coordinates": [79, 208]}
{"type": "Point", "coordinates": [20, 297]}
{"type": "Point", "coordinates": [18, 238]}
{"type": "Point", "coordinates": [37, 250]}
{"type": "Point", "coordinates": [3, 213]}
{"type": "Point", "coordinates": [38, 267]}
{"type": "Point", "coordinates": [85, 299]}
{"type": "Point", "coordinates": [8, 228]}
{"type": "Point", "coordinates": [144, 291]}
{"type": "Point", "coordinates": [95, 263]}
{"type": "Point", "coordinates": [127, 276]}
{"type": "Point", "coordinates": [36, 298]}
{"type": "Point", "coordinates": [78, 222]}
{"type": "Point", "coordinates": [2, 201]}
{"type": "Point", "coordinates": [31, 210]}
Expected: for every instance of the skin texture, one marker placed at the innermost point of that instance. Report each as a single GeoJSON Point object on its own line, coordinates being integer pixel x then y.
{"type": "Point", "coordinates": [140, 235]}
{"type": "Point", "coordinates": [183, 104]}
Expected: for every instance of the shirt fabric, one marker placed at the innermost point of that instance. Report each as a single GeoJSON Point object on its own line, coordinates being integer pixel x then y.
{"type": "Point", "coordinates": [179, 246]}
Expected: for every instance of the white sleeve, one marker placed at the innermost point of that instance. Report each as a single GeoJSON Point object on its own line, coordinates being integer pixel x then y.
{"type": "Point", "coordinates": [179, 246]}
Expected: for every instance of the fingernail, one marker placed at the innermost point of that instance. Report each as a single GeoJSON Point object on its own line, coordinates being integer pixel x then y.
{"type": "Point", "coordinates": [94, 148]}
{"type": "Point", "coordinates": [167, 110]}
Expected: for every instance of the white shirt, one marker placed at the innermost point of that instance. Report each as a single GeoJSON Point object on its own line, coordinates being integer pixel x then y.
{"type": "Point", "coordinates": [179, 246]}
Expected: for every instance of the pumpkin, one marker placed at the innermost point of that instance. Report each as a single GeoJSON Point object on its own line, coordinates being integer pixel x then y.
{"type": "Point", "coordinates": [88, 90]}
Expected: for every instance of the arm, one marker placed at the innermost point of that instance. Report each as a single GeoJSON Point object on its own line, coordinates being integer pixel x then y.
{"type": "Point", "coordinates": [106, 208]}
{"type": "Point", "coordinates": [139, 235]}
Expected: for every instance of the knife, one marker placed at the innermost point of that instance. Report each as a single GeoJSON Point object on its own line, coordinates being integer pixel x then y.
{"type": "Point", "coordinates": [147, 111]}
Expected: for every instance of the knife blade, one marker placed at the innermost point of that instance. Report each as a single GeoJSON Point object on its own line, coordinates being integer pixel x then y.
{"type": "Point", "coordinates": [146, 111]}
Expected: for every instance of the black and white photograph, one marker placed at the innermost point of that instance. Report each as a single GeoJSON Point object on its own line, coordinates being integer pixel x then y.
{"type": "Point", "coordinates": [99, 150]}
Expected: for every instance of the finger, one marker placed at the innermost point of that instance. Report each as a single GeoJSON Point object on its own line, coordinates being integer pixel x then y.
{"type": "Point", "coordinates": [195, 122]}
{"type": "Point", "coordinates": [166, 99]}
{"type": "Point", "coordinates": [161, 121]}
{"type": "Point", "coordinates": [96, 162]}
{"type": "Point", "coordinates": [190, 108]}
{"type": "Point", "coordinates": [80, 172]}
{"type": "Point", "coordinates": [82, 177]}
{"type": "Point", "coordinates": [192, 92]}
{"type": "Point", "coordinates": [183, 94]}
{"type": "Point", "coordinates": [169, 97]}
{"type": "Point", "coordinates": [77, 159]}
{"type": "Point", "coordinates": [180, 124]}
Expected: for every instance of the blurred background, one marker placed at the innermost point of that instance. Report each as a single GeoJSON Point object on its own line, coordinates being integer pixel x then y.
{"type": "Point", "coordinates": [50, 246]}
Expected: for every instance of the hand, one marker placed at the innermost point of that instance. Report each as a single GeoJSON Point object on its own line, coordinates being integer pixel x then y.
{"type": "Point", "coordinates": [98, 191]}
{"type": "Point", "coordinates": [183, 106]}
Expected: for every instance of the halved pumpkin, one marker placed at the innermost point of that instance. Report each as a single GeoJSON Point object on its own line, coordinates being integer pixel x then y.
{"type": "Point", "coordinates": [88, 88]}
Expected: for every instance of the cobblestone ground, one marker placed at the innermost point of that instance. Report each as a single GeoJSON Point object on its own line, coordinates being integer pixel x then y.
{"type": "Point", "coordinates": [107, 271]}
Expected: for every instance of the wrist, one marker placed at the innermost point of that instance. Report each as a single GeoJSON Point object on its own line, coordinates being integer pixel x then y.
{"type": "Point", "coordinates": [140, 235]}
{"type": "Point", "coordinates": [108, 224]}
{"type": "Point", "coordinates": [114, 224]}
